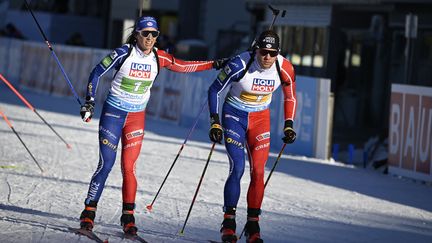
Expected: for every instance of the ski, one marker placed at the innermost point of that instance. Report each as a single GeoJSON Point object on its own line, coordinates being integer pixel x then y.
{"type": "Point", "coordinates": [90, 234]}
{"type": "Point", "coordinates": [134, 238]}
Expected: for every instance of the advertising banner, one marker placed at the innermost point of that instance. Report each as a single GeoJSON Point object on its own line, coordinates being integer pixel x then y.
{"type": "Point", "coordinates": [180, 98]}
{"type": "Point", "coordinates": [410, 132]}
{"type": "Point", "coordinates": [312, 120]}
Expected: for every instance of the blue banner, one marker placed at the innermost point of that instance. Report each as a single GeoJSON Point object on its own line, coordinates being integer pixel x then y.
{"type": "Point", "coordinates": [304, 122]}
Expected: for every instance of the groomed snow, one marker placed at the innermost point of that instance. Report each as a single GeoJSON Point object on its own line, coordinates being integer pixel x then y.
{"type": "Point", "coordinates": [307, 200]}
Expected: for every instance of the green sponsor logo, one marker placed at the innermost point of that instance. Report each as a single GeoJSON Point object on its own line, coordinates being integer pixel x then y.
{"type": "Point", "coordinates": [107, 61]}
{"type": "Point", "coordinates": [222, 75]}
{"type": "Point", "coordinates": [135, 86]}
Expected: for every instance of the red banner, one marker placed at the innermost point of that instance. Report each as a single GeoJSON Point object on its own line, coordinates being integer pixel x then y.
{"type": "Point", "coordinates": [410, 132]}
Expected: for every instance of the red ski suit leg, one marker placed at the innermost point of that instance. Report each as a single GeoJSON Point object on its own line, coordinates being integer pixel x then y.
{"type": "Point", "coordinates": [258, 146]}
{"type": "Point", "coordinates": [133, 134]}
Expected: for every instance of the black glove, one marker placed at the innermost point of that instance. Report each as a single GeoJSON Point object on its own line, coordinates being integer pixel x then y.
{"type": "Point", "coordinates": [216, 131]}
{"type": "Point", "coordinates": [87, 109]}
{"type": "Point", "coordinates": [220, 63]}
{"type": "Point", "coordinates": [290, 134]}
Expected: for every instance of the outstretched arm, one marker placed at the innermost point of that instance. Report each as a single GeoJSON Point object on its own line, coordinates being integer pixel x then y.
{"type": "Point", "coordinates": [177, 65]}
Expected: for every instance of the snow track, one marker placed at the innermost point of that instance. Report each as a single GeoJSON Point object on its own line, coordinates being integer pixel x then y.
{"type": "Point", "coordinates": [306, 200]}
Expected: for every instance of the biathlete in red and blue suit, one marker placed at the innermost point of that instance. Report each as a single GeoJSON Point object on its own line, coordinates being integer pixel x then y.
{"type": "Point", "coordinates": [252, 77]}
{"type": "Point", "coordinates": [136, 65]}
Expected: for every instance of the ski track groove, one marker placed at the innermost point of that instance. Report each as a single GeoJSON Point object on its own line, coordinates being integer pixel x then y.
{"type": "Point", "coordinates": [43, 191]}
{"type": "Point", "coordinates": [176, 203]}
{"type": "Point", "coordinates": [177, 212]}
{"type": "Point", "coordinates": [33, 185]}
{"type": "Point", "coordinates": [115, 214]}
{"type": "Point", "coordinates": [43, 233]}
{"type": "Point", "coordinates": [45, 227]}
{"type": "Point", "coordinates": [10, 190]}
{"type": "Point", "coordinates": [76, 165]}
{"type": "Point", "coordinates": [61, 227]}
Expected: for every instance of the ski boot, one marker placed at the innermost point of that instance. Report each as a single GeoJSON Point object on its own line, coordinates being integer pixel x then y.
{"type": "Point", "coordinates": [252, 229]}
{"type": "Point", "coordinates": [128, 220]}
{"type": "Point", "coordinates": [88, 215]}
{"type": "Point", "coordinates": [228, 227]}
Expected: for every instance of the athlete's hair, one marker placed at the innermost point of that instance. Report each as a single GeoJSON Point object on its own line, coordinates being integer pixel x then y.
{"type": "Point", "coordinates": [132, 39]}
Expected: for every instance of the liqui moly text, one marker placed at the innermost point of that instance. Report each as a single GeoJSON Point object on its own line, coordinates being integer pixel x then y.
{"type": "Point", "coordinates": [139, 70]}
{"type": "Point", "coordinates": [263, 85]}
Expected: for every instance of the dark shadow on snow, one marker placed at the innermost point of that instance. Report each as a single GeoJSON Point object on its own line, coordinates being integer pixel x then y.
{"type": "Point", "coordinates": [361, 181]}
{"type": "Point", "coordinates": [66, 181]}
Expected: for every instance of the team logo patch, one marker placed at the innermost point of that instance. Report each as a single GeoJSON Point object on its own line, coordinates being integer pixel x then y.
{"type": "Point", "coordinates": [227, 69]}
{"type": "Point", "coordinates": [263, 85]}
{"type": "Point", "coordinates": [139, 70]}
{"type": "Point", "coordinates": [263, 136]}
{"type": "Point", "coordinates": [134, 134]}
{"type": "Point", "coordinates": [113, 55]}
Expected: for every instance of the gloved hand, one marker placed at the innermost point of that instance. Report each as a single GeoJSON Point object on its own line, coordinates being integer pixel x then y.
{"type": "Point", "coordinates": [87, 109]}
{"type": "Point", "coordinates": [216, 131]}
{"type": "Point", "coordinates": [220, 63]}
{"type": "Point", "coordinates": [290, 134]}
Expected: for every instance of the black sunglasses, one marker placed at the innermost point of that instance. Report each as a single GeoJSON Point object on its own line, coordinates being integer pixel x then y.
{"type": "Point", "coordinates": [264, 52]}
{"type": "Point", "coordinates": [146, 33]}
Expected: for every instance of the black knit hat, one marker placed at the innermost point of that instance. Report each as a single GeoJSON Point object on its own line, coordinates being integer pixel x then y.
{"type": "Point", "coordinates": [268, 39]}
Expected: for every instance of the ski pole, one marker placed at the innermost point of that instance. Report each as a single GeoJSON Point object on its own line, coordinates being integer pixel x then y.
{"type": "Point", "coordinates": [198, 187]}
{"type": "Point", "coordinates": [150, 206]}
{"type": "Point", "coordinates": [275, 13]}
{"type": "Point", "coordinates": [32, 108]}
{"type": "Point", "coordinates": [53, 54]}
{"type": "Point", "coordinates": [25, 146]}
{"type": "Point", "coordinates": [268, 178]}
{"type": "Point", "coordinates": [274, 165]}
